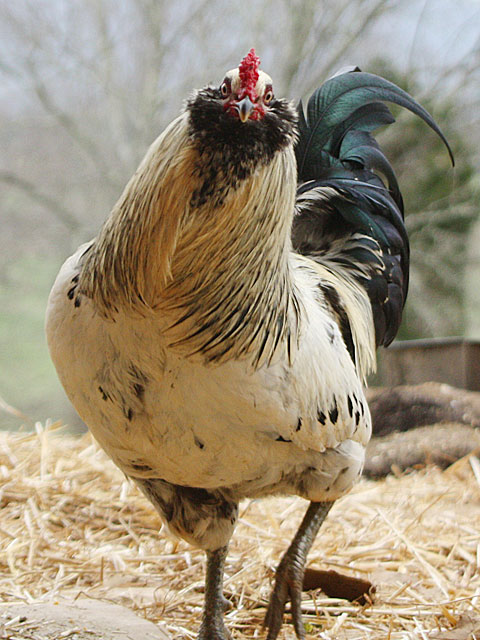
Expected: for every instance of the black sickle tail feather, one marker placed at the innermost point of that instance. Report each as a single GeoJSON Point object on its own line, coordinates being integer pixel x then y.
{"type": "Point", "coordinates": [346, 215]}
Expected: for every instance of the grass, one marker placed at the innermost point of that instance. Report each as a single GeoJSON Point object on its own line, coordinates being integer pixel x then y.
{"type": "Point", "coordinates": [28, 379]}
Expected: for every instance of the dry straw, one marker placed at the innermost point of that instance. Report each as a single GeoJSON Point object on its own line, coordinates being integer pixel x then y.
{"type": "Point", "coordinates": [72, 525]}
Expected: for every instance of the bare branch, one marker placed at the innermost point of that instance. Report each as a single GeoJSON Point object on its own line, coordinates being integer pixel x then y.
{"type": "Point", "coordinates": [69, 124]}
{"type": "Point", "coordinates": [50, 204]}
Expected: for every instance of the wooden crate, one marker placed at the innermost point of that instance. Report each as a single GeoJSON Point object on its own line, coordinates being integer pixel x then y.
{"type": "Point", "coordinates": [455, 361]}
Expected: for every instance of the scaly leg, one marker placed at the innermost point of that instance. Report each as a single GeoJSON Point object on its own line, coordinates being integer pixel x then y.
{"type": "Point", "coordinates": [290, 572]}
{"type": "Point", "coordinates": [213, 627]}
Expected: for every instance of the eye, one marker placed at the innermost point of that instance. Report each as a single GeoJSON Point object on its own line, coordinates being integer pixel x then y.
{"type": "Point", "coordinates": [225, 88]}
{"type": "Point", "coordinates": [268, 95]}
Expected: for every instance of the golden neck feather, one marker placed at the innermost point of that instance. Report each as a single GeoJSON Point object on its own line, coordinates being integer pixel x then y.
{"type": "Point", "coordinates": [220, 274]}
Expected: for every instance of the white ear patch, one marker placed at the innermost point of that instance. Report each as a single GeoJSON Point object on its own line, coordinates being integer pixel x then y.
{"type": "Point", "coordinates": [263, 81]}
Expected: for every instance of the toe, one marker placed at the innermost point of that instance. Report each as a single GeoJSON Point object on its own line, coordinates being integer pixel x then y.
{"type": "Point", "coordinates": [297, 619]}
{"type": "Point", "coordinates": [274, 616]}
{"type": "Point", "coordinates": [288, 586]}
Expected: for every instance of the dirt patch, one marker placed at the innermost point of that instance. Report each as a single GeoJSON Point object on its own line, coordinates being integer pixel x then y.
{"type": "Point", "coordinates": [81, 620]}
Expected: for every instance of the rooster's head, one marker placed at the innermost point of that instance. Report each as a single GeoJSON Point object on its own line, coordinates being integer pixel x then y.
{"type": "Point", "coordinates": [246, 91]}
{"type": "Point", "coordinates": [241, 118]}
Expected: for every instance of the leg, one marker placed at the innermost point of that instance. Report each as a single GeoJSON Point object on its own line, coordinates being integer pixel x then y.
{"type": "Point", "coordinates": [290, 571]}
{"type": "Point", "coordinates": [213, 627]}
{"type": "Point", "coordinates": [206, 519]}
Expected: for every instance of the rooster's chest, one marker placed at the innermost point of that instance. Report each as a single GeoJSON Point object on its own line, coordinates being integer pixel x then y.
{"type": "Point", "coordinates": [159, 414]}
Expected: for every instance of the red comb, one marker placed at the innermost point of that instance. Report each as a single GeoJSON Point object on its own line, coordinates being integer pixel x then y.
{"type": "Point", "coordinates": [248, 69]}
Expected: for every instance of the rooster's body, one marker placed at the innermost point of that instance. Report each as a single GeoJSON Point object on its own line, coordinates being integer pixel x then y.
{"type": "Point", "coordinates": [212, 359]}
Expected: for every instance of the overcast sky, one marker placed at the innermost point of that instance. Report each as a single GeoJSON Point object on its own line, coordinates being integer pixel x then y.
{"type": "Point", "coordinates": [431, 32]}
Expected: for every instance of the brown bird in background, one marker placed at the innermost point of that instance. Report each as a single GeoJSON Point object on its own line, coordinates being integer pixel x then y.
{"type": "Point", "coordinates": [215, 336]}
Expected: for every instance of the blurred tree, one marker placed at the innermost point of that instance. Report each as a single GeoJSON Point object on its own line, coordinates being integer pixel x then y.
{"type": "Point", "coordinates": [440, 205]}
{"type": "Point", "coordinates": [96, 81]}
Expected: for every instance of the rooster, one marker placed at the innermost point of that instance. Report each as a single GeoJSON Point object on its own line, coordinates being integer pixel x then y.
{"type": "Point", "coordinates": [216, 335]}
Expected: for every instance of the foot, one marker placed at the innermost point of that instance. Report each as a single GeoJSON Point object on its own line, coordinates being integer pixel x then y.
{"type": "Point", "coordinates": [213, 630]}
{"type": "Point", "coordinates": [290, 573]}
{"type": "Point", "coordinates": [288, 586]}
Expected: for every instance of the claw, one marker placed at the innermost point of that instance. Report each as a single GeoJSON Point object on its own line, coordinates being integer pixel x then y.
{"type": "Point", "coordinates": [226, 604]}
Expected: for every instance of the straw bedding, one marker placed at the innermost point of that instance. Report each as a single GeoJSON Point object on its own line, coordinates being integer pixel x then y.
{"type": "Point", "coordinates": [72, 526]}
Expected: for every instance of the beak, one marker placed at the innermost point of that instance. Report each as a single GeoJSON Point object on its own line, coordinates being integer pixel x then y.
{"type": "Point", "coordinates": [244, 108]}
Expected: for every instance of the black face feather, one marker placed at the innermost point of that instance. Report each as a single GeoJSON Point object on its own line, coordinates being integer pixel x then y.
{"type": "Point", "coordinates": [230, 150]}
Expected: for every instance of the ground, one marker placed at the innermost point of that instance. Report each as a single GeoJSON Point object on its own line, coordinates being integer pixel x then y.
{"type": "Point", "coordinates": [75, 533]}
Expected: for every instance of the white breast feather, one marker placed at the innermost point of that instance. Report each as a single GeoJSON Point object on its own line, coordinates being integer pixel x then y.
{"type": "Point", "coordinates": [218, 427]}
